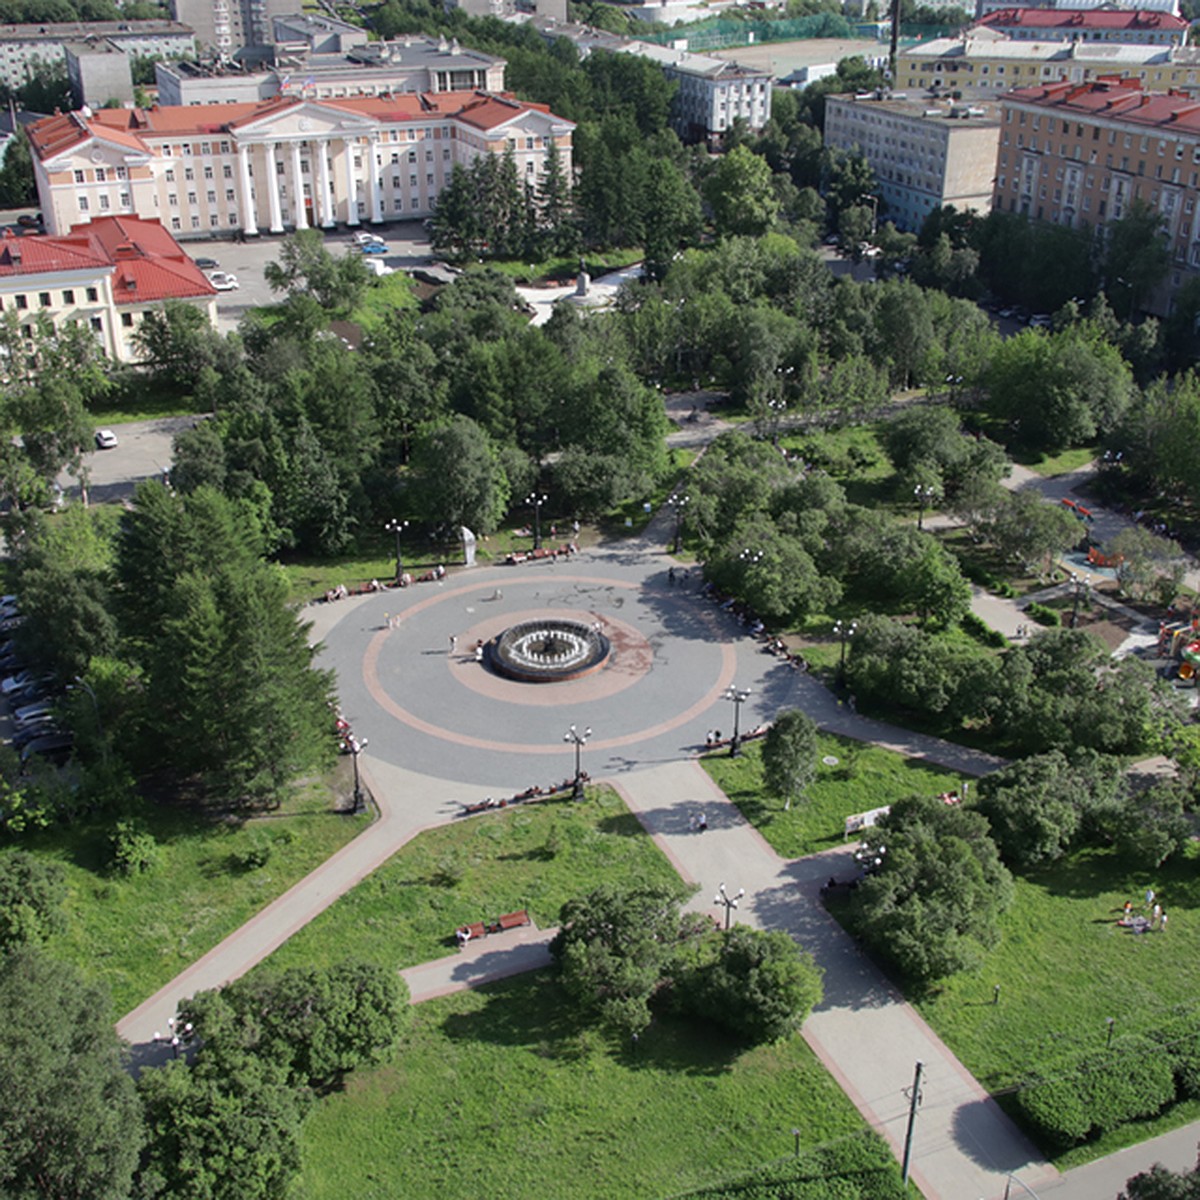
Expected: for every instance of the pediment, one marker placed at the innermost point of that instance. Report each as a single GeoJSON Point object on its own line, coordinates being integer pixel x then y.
{"type": "Point", "coordinates": [305, 119]}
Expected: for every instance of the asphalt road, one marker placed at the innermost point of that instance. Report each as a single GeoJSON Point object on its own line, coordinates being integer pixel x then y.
{"type": "Point", "coordinates": [143, 449]}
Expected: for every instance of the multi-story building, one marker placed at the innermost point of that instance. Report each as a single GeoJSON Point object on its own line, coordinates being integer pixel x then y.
{"type": "Point", "coordinates": [22, 45]}
{"type": "Point", "coordinates": [1080, 155]}
{"type": "Point", "coordinates": [287, 163]}
{"type": "Point", "coordinates": [225, 27]}
{"type": "Point", "coordinates": [983, 7]}
{"type": "Point", "coordinates": [1127, 26]}
{"type": "Point", "coordinates": [987, 63]}
{"type": "Point", "coordinates": [105, 276]}
{"type": "Point", "coordinates": [411, 64]}
{"type": "Point", "coordinates": [924, 155]}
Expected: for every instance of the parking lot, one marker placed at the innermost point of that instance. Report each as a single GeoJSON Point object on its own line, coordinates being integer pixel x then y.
{"type": "Point", "coordinates": [407, 242]}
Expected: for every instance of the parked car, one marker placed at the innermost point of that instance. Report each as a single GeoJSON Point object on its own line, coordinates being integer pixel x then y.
{"type": "Point", "coordinates": [1040, 321]}
{"type": "Point", "coordinates": [29, 221]}
{"type": "Point", "coordinates": [34, 730]}
{"type": "Point", "coordinates": [378, 268]}
{"type": "Point", "coordinates": [206, 264]}
{"type": "Point", "coordinates": [362, 238]}
{"type": "Point", "coordinates": [373, 248]}
{"type": "Point", "coordinates": [54, 746]}
{"type": "Point", "coordinates": [33, 712]}
{"type": "Point", "coordinates": [19, 679]}
{"type": "Point", "coordinates": [223, 281]}
{"type": "Point", "coordinates": [105, 439]}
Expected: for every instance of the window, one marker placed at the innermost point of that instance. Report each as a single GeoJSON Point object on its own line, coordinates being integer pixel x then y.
{"type": "Point", "coordinates": [173, 200]}
{"type": "Point", "coordinates": [69, 296]}
{"type": "Point", "coordinates": [212, 197]}
{"type": "Point", "coordinates": [192, 199]}
{"type": "Point", "coordinates": [170, 176]}
{"type": "Point", "coordinates": [22, 303]}
{"type": "Point", "coordinates": [429, 179]}
{"type": "Point", "coordinates": [78, 176]}
{"type": "Point", "coordinates": [189, 174]}
{"type": "Point", "coordinates": [412, 181]}
{"type": "Point", "coordinates": [229, 195]}
{"type": "Point", "coordinates": [412, 156]}
{"type": "Point", "coordinates": [127, 320]}
{"type": "Point", "coordinates": [395, 182]}
{"type": "Point", "coordinates": [126, 201]}
{"type": "Point", "coordinates": [93, 295]}
{"type": "Point", "coordinates": [429, 156]}
{"type": "Point", "coordinates": [214, 220]}
{"type": "Point", "coordinates": [175, 224]}
{"type": "Point", "coordinates": [227, 171]}
{"type": "Point", "coordinates": [446, 154]}
{"type": "Point", "coordinates": [83, 204]}
{"type": "Point", "coordinates": [195, 222]}
{"type": "Point", "coordinates": [97, 325]}
{"type": "Point", "coordinates": [208, 172]}
{"type": "Point", "coordinates": [101, 175]}
{"type": "Point", "coordinates": [103, 203]}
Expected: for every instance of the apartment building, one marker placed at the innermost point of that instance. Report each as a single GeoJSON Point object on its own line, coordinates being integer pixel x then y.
{"type": "Point", "coordinates": [225, 27]}
{"type": "Point", "coordinates": [988, 63]}
{"type": "Point", "coordinates": [924, 155]}
{"type": "Point", "coordinates": [106, 276]}
{"type": "Point", "coordinates": [1078, 155]}
{"type": "Point", "coordinates": [286, 163]}
{"type": "Point", "coordinates": [1131, 27]}
{"type": "Point", "coordinates": [22, 45]}
{"type": "Point", "coordinates": [409, 64]}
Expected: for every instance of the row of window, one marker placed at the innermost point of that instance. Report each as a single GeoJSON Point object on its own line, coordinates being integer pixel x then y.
{"type": "Point", "coordinates": [21, 302]}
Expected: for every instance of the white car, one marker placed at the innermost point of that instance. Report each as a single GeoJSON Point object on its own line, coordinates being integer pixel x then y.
{"type": "Point", "coordinates": [105, 439]}
{"type": "Point", "coordinates": [223, 281]}
{"type": "Point", "coordinates": [378, 268]}
{"type": "Point", "coordinates": [362, 238]}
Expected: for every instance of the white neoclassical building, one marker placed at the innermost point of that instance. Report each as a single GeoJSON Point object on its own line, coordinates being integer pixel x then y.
{"type": "Point", "coordinates": [287, 163]}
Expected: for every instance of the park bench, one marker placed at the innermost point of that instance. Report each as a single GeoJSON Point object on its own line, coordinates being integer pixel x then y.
{"type": "Point", "coordinates": [515, 920]}
{"type": "Point", "coordinates": [480, 929]}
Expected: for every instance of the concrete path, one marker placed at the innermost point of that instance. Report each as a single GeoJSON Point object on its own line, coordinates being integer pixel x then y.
{"type": "Point", "coordinates": [497, 956]}
{"type": "Point", "coordinates": [864, 1033]}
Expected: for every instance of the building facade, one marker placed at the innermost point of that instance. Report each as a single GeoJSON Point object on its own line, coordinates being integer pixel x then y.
{"type": "Point", "coordinates": [22, 45]}
{"type": "Point", "coordinates": [924, 155]}
{"type": "Point", "coordinates": [1080, 155]}
{"type": "Point", "coordinates": [412, 64]}
{"type": "Point", "coordinates": [983, 7]}
{"type": "Point", "coordinates": [988, 63]}
{"type": "Point", "coordinates": [106, 276]}
{"type": "Point", "coordinates": [224, 27]}
{"type": "Point", "coordinates": [287, 163]}
{"type": "Point", "coordinates": [1131, 27]}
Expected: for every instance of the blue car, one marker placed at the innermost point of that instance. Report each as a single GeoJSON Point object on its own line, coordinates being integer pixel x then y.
{"type": "Point", "coordinates": [374, 248]}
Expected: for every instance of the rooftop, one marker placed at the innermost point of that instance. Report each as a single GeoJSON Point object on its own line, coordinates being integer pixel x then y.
{"type": "Point", "coordinates": [1116, 99]}
{"type": "Point", "coordinates": [991, 47]}
{"type": "Point", "coordinates": [74, 31]}
{"type": "Point", "coordinates": [1082, 19]}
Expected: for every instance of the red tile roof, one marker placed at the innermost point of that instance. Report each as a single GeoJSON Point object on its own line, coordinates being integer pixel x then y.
{"type": "Point", "coordinates": [147, 263]}
{"type": "Point", "coordinates": [1091, 18]}
{"type": "Point", "coordinates": [1117, 99]}
{"type": "Point", "coordinates": [131, 127]}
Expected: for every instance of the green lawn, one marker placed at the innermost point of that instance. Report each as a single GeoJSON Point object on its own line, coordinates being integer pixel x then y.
{"type": "Point", "coordinates": [854, 456]}
{"type": "Point", "coordinates": [1058, 464]}
{"type": "Point", "coordinates": [499, 1093]}
{"type": "Point", "coordinates": [534, 856]}
{"type": "Point", "coordinates": [134, 935]}
{"type": "Point", "coordinates": [865, 777]}
{"type": "Point", "coordinates": [561, 270]}
{"type": "Point", "coordinates": [385, 293]}
{"type": "Point", "coordinates": [1064, 967]}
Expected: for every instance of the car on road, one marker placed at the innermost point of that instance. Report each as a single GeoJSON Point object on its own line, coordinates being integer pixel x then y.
{"type": "Point", "coordinates": [373, 248]}
{"type": "Point", "coordinates": [223, 281]}
{"type": "Point", "coordinates": [105, 439]}
{"type": "Point", "coordinates": [206, 264]}
{"type": "Point", "coordinates": [362, 238]}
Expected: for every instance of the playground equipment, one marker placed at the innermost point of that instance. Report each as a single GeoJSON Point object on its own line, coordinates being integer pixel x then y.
{"type": "Point", "coordinates": [1180, 641]}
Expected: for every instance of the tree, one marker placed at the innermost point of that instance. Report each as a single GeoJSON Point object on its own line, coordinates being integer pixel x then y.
{"type": "Point", "coordinates": [1147, 564]}
{"type": "Point", "coordinates": [740, 193]}
{"type": "Point", "coordinates": [178, 342]}
{"type": "Point", "coordinates": [458, 477]}
{"type": "Point", "coordinates": [789, 755]}
{"type": "Point", "coordinates": [70, 1123]}
{"type": "Point", "coordinates": [304, 267]}
{"type": "Point", "coordinates": [1160, 1184]}
{"type": "Point", "coordinates": [933, 906]}
{"type": "Point", "coordinates": [17, 185]}
{"type": "Point", "coordinates": [612, 949]}
{"type": "Point", "coordinates": [1136, 257]}
{"type": "Point", "coordinates": [1032, 531]}
{"type": "Point", "coordinates": [761, 986]}
{"type": "Point", "coordinates": [1155, 824]}
{"type": "Point", "coordinates": [32, 893]}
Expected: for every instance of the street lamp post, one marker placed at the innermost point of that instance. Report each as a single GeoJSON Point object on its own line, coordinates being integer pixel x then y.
{"type": "Point", "coordinates": [924, 493]}
{"type": "Point", "coordinates": [356, 748]}
{"type": "Point", "coordinates": [730, 903]}
{"type": "Point", "coordinates": [678, 501]}
{"type": "Point", "coordinates": [1081, 590]}
{"type": "Point", "coordinates": [737, 696]}
{"type": "Point", "coordinates": [844, 631]}
{"type": "Point", "coordinates": [537, 499]}
{"type": "Point", "coordinates": [397, 526]}
{"type": "Point", "coordinates": [750, 557]}
{"type": "Point", "coordinates": [579, 740]}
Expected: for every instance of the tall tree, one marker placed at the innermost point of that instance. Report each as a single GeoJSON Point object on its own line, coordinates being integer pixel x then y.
{"type": "Point", "coordinates": [789, 755]}
{"type": "Point", "coordinates": [740, 193]}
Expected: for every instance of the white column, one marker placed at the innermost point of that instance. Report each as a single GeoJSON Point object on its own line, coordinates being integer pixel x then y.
{"type": "Point", "coordinates": [298, 185]}
{"type": "Point", "coordinates": [376, 182]}
{"type": "Point", "coordinates": [351, 188]}
{"type": "Point", "coordinates": [249, 227]}
{"type": "Point", "coordinates": [326, 210]}
{"type": "Point", "coordinates": [271, 184]}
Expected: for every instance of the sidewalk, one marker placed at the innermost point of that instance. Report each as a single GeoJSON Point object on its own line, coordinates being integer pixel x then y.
{"type": "Point", "coordinates": [865, 1034]}
{"type": "Point", "coordinates": [497, 956]}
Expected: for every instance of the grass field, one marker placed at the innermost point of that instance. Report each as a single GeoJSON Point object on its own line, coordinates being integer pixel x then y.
{"type": "Point", "coordinates": [1064, 967]}
{"type": "Point", "coordinates": [531, 856]}
{"type": "Point", "coordinates": [864, 777]}
{"type": "Point", "coordinates": [499, 1093]}
{"type": "Point", "coordinates": [1057, 464]}
{"type": "Point", "coordinates": [134, 935]}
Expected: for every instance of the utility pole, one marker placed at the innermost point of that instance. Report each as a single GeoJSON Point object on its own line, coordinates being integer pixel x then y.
{"type": "Point", "coordinates": [914, 1102]}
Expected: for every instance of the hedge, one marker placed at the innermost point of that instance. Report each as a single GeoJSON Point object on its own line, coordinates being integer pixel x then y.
{"type": "Point", "coordinates": [978, 628]}
{"type": "Point", "coordinates": [1098, 1092]}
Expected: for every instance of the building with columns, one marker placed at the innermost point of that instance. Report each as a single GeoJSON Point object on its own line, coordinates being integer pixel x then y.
{"type": "Point", "coordinates": [281, 164]}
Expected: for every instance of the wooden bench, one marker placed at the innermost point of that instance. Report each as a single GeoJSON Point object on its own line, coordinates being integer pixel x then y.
{"type": "Point", "coordinates": [480, 929]}
{"type": "Point", "coordinates": [476, 930]}
{"type": "Point", "coordinates": [515, 920]}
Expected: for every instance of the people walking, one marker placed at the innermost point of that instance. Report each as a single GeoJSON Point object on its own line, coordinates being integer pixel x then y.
{"type": "Point", "coordinates": [453, 643]}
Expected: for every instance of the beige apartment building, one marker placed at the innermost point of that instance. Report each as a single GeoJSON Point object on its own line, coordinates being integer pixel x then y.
{"type": "Point", "coordinates": [924, 154]}
{"type": "Point", "coordinates": [287, 163]}
{"type": "Point", "coordinates": [1079, 154]}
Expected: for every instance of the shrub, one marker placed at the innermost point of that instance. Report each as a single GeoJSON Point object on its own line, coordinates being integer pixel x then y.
{"type": "Point", "coordinates": [1180, 1037]}
{"type": "Point", "coordinates": [979, 629]}
{"type": "Point", "coordinates": [132, 849]}
{"type": "Point", "coordinates": [1099, 1092]}
{"type": "Point", "coordinates": [1044, 615]}
{"type": "Point", "coordinates": [254, 857]}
